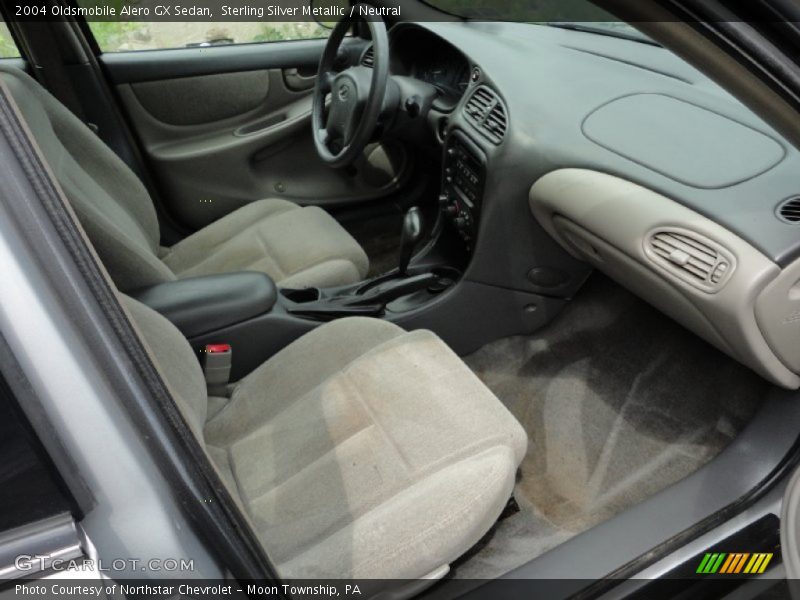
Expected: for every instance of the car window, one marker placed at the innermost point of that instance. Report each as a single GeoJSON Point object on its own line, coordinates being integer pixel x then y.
{"type": "Point", "coordinates": [125, 36]}
{"type": "Point", "coordinates": [8, 49]}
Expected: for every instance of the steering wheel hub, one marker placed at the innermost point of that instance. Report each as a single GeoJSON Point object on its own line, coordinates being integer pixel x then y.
{"type": "Point", "coordinates": [344, 92]}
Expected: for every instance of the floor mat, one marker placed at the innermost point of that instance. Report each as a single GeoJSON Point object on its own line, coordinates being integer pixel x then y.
{"type": "Point", "coordinates": [618, 402]}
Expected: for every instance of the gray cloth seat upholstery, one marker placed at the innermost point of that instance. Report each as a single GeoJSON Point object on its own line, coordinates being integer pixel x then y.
{"type": "Point", "coordinates": [295, 246]}
{"type": "Point", "coordinates": [358, 451]}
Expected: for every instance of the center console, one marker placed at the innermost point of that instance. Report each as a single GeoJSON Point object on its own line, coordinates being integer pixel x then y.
{"type": "Point", "coordinates": [462, 185]}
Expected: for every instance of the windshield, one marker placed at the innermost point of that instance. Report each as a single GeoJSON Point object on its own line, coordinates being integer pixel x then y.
{"type": "Point", "coordinates": [572, 14]}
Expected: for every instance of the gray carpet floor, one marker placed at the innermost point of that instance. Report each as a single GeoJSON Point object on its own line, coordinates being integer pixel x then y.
{"type": "Point", "coordinates": [618, 402]}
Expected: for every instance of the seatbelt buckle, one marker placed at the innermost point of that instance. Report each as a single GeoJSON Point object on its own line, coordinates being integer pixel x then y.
{"type": "Point", "coordinates": [217, 368]}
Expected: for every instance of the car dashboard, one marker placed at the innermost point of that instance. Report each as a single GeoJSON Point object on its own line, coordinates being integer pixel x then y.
{"type": "Point", "coordinates": [585, 149]}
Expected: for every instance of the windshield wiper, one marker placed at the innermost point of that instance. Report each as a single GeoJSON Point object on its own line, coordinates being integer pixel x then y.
{"type": "Point", "coordinates": [633, 37]}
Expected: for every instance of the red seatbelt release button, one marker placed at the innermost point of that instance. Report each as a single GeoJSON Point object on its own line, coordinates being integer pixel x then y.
{"type": "Point", "coordinates": [217, 368]}
{"type": "Point", "coordinates": [217, 348]}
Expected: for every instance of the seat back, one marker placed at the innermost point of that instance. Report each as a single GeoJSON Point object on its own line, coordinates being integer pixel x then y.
{"type": "Point", "coordinates": [110, 201]}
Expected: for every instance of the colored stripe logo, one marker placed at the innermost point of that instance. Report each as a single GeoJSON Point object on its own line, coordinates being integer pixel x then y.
{"type": "Point", "coordinates": [734, 563]}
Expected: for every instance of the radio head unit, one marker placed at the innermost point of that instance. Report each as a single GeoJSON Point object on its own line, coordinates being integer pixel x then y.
{"type": "Point", "coordinates": [462, 186]}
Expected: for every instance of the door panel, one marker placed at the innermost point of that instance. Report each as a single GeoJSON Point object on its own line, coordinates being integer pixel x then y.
{"type": "Point", "coordinates": [203, 98]}
{"type": "Point", "coordinates": [222, 133]}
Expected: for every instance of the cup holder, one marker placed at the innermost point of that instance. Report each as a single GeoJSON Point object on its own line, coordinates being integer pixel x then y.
{"type": "Point", "coordinates": [301, 296]}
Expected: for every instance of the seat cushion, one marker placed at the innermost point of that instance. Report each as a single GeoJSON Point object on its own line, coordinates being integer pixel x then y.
{"type": "Point", "coordinates": [296, 246]}
{"type": "Point", "coordinates": [364, 451]}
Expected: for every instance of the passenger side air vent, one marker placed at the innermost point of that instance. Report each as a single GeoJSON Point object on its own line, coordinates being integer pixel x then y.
{"type": "Point", "coordinates": [789, 210]}
{"type": "Point", "coordinates": [486, 113]}
{"type": "Point", "coordinates": [691, 257]}
{"type": "Point", "coordinates": [368, 60]}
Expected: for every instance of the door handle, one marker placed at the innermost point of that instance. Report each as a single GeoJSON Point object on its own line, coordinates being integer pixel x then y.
{"type": "Point", "coordinates": [296, 81]}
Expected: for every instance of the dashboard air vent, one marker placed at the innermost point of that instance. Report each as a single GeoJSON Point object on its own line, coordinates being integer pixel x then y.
{"type": "Point", "coordinates": [789, 210]}
{"type": "Point", "coordinates": [368, 60]}
{"type": "Point", "coordinates": [486, 112]}
{"type": "Point", "coordinates": [692, 258]}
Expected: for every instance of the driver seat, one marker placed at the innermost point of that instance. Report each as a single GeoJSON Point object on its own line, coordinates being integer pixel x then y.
{"type": "Point", "coordinates": [296, 246]}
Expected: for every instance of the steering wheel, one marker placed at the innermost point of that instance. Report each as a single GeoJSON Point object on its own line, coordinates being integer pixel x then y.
{"type": "Point", "coordinates": [357, 96]}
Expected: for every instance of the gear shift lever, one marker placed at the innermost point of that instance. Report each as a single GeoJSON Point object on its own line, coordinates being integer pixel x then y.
{"type": "Point", "coordinates": [410, 236]}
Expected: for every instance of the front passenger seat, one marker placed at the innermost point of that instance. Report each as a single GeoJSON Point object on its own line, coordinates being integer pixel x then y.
{"type": "Point", "coordinates": [359, 451]}
{"type": "Point", "coordinates": [296, 246]}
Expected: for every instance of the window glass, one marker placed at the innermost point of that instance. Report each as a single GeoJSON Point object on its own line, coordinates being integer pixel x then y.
{"type": "Point", "coordinates": [125, 36]}
{"type": "Point", "coordinates": [8, 49]}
